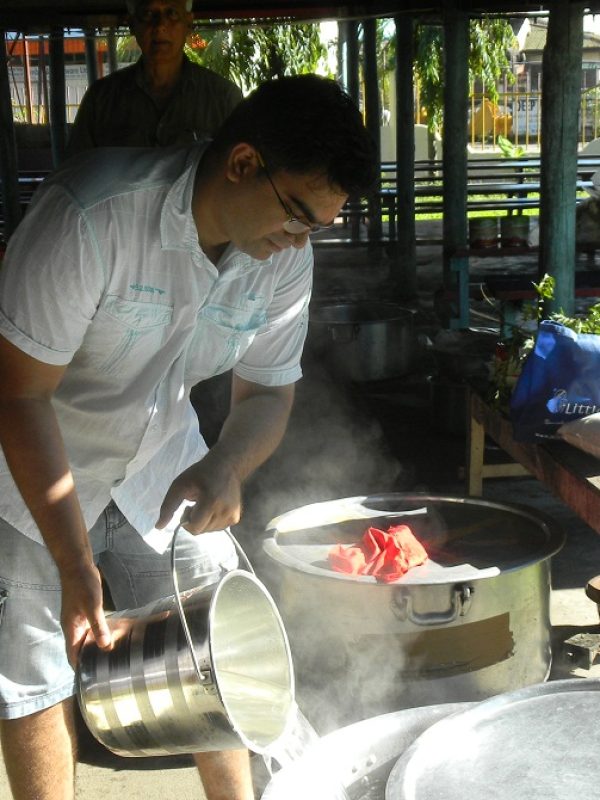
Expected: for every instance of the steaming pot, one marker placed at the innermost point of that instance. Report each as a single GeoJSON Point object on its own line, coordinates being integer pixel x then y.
{"type": "Point", "coordinates": [471, 622]}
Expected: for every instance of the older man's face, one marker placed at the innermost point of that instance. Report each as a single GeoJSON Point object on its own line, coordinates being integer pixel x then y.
{"type": "Point", "coordinates": [161, 28]}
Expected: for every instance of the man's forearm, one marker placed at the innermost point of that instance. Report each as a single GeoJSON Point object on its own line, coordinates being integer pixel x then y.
{"type": "Point", "coordinates": [34, 450]}
{"type": "Point", "coordinates": [254, 428]}
{"type": "Point", "coordinates": [250, 434]}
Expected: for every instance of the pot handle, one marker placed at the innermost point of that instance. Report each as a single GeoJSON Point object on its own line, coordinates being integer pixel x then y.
{"type": "Point", "coordinates": [402, 607]}
{"type": "Point", "coordinates": [344, 333]}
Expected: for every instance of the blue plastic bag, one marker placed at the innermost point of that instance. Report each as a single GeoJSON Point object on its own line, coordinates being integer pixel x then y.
{"type": "Point", "coordinates": [560, 382]}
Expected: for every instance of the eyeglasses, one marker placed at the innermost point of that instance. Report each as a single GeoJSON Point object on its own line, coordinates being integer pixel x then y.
{"type": "Point", "coordinates": [153, 16]}
{"type": "Point", "coordinates": [293, 224]}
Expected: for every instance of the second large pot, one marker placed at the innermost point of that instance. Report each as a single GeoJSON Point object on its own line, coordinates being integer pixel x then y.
{"type": "Point", "coordinates": [364, 341]}
{"type": "Point", "coordinates": [471, 622]}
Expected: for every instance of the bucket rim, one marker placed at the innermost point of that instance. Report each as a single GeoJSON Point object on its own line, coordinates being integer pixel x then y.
{"type": "Point", "coordinates": [244, 575]}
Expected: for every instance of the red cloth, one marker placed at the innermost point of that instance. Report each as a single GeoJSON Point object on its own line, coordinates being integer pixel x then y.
{"type": "Point", "coordinates": [386, 555]}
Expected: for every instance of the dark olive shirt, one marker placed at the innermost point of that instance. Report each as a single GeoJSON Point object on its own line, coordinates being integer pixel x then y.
{"type": "Point", "coordinates": [117, 111]}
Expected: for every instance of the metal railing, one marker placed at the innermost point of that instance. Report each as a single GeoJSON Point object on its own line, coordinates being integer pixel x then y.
{"type": "Point", "coordinates": [517, 116]}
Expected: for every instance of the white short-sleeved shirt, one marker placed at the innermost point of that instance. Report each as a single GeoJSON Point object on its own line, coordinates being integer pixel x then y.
{"type": "Point", "coordinates": [105, 275]}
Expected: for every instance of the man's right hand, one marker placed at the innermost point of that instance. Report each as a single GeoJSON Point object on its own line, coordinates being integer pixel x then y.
{"type": "Point", "coordinates": [82, 610]}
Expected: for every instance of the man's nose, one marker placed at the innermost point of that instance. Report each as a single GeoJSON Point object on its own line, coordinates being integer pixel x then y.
{"type": "Point", "coordinates": [158, 19]}
{"type": "Point", "coordinates": [300, 239]}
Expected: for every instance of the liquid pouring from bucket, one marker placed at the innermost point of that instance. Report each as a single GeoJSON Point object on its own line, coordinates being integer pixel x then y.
{"type": "Point", "coordinates": [200, 670]}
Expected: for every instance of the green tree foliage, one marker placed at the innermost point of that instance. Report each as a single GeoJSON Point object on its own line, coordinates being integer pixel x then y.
{"type": "Point", "coordinates": [429, 72]}
{"type": "Point", "coordinates": [490, 41]}
{"type": "Point", "coordinates": [251, 55]}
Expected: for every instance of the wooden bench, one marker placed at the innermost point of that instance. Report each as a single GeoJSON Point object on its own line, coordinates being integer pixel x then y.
{"type": "Point", "coordinates": [495, 184]}
{"type": "Point", "coordinates": [570, 474]}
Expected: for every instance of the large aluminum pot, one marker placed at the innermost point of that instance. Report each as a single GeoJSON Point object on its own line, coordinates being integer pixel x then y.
{"type": "Point", "coordinates": [471, 622]}
{"type": "Point", "coordinates": [146, 696]}
{"type": "Point", "coordinates": [358, 758]}
{"type": "Point", "coordinates": [364, 341]}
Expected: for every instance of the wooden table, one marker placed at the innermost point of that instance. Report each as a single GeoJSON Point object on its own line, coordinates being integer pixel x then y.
{"type": "Point", "coordinates": [569, 473]}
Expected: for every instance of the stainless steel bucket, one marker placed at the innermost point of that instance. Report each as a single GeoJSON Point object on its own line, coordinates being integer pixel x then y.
{"type": "Point", "coordinates": [206, 670]}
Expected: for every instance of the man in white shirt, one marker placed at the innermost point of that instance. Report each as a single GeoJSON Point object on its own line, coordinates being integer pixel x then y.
{"type": "Point", "coordinates": [134, 275]}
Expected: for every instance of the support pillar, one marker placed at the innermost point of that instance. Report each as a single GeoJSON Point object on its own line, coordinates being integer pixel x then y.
{"type": "Point", "coordinates": [348, 67]}
{"type": "Point", "coordinates": [352, 73]}
{"type": "Point", "coordinates": [91, 57]}
{"type": "Point", "coordinates": [456, 104]}
{"type": "Point", "coordinates": [405, 253]}
{"type": "Point", "coordinates": [372, 118]}
{"type": "Point", "coordinates": [8, 150]}
{"type": "Point", "coordinates": [561, 98]}
{"type": "Point", "coordinates": [58, 104]}
{"type": "Point", "coordinates": [112, 50]}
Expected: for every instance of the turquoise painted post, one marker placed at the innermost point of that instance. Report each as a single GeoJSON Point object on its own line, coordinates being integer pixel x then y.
{"type": "Point", "coordinates": [561, 95]}
{"type": "Point", "coordinates": [456, 97]}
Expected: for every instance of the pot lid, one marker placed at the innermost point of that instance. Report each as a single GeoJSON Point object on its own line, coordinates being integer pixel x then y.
{"type": "Point", "coordinates": [350, 756]}
{"type": "Point", "coordinates": [538, 742]}
{"type": "Point", "coordinates": [361, 312]}
{"type": "Point", "coordinates": [465, 538]}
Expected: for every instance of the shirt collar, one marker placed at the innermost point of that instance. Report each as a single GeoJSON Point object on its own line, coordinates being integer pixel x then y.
{"type": "Point", "coordinates": [187, 73]}
{"type": "Point", "coordinates": [177, 227]}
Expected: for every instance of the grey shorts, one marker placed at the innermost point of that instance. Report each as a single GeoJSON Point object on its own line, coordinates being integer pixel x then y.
{"type": "Point", "coordinates": [34, 671]}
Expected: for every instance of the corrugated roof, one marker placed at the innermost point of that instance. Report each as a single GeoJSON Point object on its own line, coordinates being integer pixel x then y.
{"type": "Point", "coordinates": [536, 38]}
{"type": "Point", "coordinates": [41, 14]}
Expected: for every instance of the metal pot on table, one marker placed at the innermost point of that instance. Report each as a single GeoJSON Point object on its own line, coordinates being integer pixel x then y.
{"type": "Point", "coordinates": [364, 341]}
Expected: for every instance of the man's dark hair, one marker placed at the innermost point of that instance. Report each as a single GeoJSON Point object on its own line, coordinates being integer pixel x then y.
{"type": "Point", "coordinates": [303, 124]}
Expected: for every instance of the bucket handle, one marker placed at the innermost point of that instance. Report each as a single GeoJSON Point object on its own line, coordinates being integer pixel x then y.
{"type": "Point", "coordinates": [186, 631]}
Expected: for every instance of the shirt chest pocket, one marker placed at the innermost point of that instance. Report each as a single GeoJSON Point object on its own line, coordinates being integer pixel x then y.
{"type": "Point", "coordinates": [127, 333]}
{"type": "Point", "coordinates": [222, 336]}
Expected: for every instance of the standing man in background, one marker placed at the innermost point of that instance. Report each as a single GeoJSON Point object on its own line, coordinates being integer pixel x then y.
{"type": "Point", "coordinates": [163, 99]}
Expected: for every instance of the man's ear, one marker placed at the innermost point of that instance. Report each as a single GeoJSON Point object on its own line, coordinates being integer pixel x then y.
{"type": "Point", "coordinates": [242, 162]}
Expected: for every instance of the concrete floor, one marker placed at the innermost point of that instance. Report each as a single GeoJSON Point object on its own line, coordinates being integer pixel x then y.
{"type": "Point", "coordinates": [345, 440]}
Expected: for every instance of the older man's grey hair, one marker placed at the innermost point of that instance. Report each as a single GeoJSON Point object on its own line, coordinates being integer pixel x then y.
{"type": "Point", "coordinates": [133, 4]}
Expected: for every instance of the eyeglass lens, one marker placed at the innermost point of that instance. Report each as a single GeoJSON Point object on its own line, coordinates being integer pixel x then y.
{"type": "Point", "coordinates": [152, 16]}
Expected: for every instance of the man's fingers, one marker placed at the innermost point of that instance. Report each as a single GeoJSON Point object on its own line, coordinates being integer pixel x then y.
{"type": "Point", "coordinates": [169, 506]}
{"type": "Point", "coordinates": [102, 634]}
